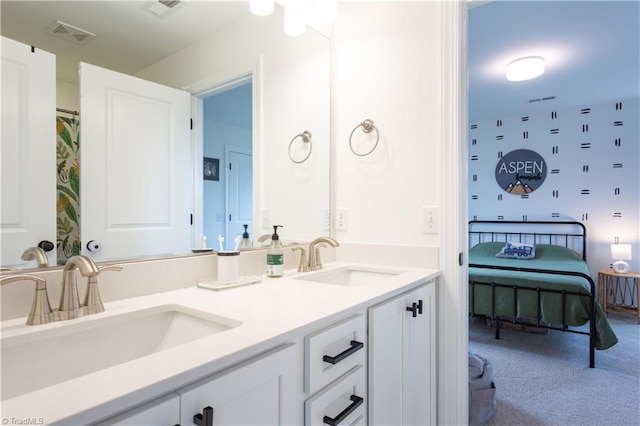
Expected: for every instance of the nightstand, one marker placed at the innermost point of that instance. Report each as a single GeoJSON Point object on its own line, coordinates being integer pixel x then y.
{"type": "Point", "coordinates": [619, 292]}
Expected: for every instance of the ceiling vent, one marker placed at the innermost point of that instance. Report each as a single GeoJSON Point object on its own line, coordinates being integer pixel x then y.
{"type": "Point", "coordinates": [69, 32]}
{"type": "Point", "coordinates": [161, 7]}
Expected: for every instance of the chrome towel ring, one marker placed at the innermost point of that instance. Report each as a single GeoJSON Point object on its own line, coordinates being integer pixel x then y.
{"type": "Point", "coordinates": [306, 138]}
{"type": "Point", "coordinates": [367, 126]}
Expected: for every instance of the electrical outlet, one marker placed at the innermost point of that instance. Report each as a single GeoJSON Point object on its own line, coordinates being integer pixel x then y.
{"type": "Point", "coordinates": [430, 220]}
{"type": "Point", "coordinates": [342, 219]}
{"type": "Point", "coordinates": [326, 219]}
{"type": "Point", "coordinates": [266, 219]}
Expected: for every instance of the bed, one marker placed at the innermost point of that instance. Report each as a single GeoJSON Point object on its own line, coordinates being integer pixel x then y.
{"type": "Point", "coordinates": [552, 290]}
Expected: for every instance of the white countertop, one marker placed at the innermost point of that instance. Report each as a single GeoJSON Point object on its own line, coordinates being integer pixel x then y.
{"type": "Point", "coordinates": [272, 312]}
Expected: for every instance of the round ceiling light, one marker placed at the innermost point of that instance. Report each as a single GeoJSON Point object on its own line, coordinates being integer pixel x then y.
{"type": "Point", "coordinates": [525, 68]}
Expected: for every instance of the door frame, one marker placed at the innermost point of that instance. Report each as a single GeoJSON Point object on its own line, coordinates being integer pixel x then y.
{"type": "Point", "coordinates": [204, 89]}
{"type": "Point", "coordinates": [453, 287]}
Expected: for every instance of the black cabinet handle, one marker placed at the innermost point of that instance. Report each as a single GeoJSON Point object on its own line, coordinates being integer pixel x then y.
{"type": "Point", "coordinates": [415, 308]}
{"type": "Point", "coordinates": [204, 419]}
{"type": "Point", "coordinates": [356, 402]}
{"type": "Point", "coordinates": [355, 346]}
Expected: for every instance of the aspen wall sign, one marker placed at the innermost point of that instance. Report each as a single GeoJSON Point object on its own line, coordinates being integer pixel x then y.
{"type": "Point", "coordinates": [521, 171]}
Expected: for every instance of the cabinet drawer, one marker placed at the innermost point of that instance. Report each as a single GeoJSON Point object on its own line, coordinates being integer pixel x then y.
{"type": "Point", "coordinates": [331, 352]}
{"type": "Point", "coordinates": [341, 403]}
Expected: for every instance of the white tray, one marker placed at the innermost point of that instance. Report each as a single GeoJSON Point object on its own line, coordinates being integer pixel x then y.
{"type": "Point", "coordinates": [216, 285]}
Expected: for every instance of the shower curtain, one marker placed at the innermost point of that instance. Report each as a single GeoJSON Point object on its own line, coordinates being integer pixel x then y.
{"type": "Point", "coordinates": [68, 186]}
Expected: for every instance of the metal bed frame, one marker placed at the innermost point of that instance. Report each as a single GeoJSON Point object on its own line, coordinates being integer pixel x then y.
{"type": "Point", "coordinates": [536, 237]}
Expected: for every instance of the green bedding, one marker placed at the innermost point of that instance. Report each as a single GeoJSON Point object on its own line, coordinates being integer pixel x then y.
{"type": "Point", "coordinates": [548, 257]}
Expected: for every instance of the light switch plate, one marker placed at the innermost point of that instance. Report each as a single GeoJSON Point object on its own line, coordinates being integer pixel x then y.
{"type": "Point", "coordinates": [430, 220]}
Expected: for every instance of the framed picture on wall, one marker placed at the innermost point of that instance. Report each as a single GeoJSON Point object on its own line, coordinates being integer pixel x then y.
{"type": "Point", "coordinates": [211, 169]}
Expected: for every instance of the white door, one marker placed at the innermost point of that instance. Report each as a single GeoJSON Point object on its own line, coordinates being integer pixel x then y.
{"type": "Point", "coordinates": [258, 392]}
{"type": "Point", "coordinates": [28, 148]}
{"type": "Point", "coordinates": [136, 168]}
{"type": "Point", "coordinates": [239, 193]}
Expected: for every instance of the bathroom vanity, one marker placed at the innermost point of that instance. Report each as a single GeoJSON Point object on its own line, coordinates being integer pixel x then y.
{"type": "Point", "coordinates": [350, 344]}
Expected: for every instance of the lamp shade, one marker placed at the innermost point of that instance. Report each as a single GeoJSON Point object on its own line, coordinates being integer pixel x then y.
{"type": "Point", "coordinates": [621, 251]}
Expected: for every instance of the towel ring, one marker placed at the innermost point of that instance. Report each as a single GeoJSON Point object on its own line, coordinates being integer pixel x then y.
{"type": "Point", "coordinates": [367, 126]}
{"type": "Point", "coordinates": [306, 137]}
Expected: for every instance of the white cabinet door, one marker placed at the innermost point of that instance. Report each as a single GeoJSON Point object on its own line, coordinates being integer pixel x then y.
{"type": "Point", "coordinates": [28, 151]}
{"type": "Point", "coordinates": [261, 391]}
{"type": "Point", "coordinates": [402, 359]}
{"type": "Point", "coordinates": [137, 171]}
{"type": "Point", "coordinates": [161, 412]}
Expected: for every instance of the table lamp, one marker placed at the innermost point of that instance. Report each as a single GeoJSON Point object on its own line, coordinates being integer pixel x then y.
{"type": "Point", "coordinates": [620, 253]}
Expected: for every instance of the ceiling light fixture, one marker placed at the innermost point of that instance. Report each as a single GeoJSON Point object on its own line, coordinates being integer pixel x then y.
{"type": "Point", "coordinates": [294, 25]}
{"type": "Point", "coordinates": [525, 68]}
{"type": "Point", "coordinates": [261, 7]}
{"type": "Point", "coordinates": [323, 11]}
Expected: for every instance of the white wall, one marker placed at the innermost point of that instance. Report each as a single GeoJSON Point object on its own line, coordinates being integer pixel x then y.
{"type": "Point", "coordinates": [67, 95]}
{"type": "Point", "coordinates": [579, 148]}
{"type": "Point", "coordinates": [400, 64]}
{"type": "Point", "coordinates": [387, 69]}
{"type": "Point", "coordinates": [293, 89]}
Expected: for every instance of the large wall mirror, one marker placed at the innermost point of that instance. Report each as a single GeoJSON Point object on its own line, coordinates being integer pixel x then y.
{"type": "Point", "coordinates": [237, 64]}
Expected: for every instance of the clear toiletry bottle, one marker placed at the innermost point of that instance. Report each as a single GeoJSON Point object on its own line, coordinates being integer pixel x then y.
{"type": "Point", "coordinates": [246, 242]}
{"type": "Point", "coordinates": [275, 255]}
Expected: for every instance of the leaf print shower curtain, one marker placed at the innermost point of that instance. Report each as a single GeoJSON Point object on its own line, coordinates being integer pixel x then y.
{"type": "Point", "coordinates": [68, 184]}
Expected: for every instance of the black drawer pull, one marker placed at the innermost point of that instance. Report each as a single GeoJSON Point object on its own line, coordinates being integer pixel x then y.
{"type": "Point", "coordinates": [204, 419]}
{"type": "Point", "coordinates": [357, 401]}
{"type": "Point", "coordinates": [355, 346]}
{"type": "Point", "coordinates": [420, 307]}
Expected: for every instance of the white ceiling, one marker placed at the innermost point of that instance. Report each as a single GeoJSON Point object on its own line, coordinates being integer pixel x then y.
{"type": "Point", "coordinates": [592, 48]}
{"type": "Point", "coordinates": [592, 52]}
{"type": "Point", "coordinates": [128, 38]}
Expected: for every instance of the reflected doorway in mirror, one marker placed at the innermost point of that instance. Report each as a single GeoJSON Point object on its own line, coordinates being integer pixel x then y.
{"type": "Point", "coordinates": [211, 168]}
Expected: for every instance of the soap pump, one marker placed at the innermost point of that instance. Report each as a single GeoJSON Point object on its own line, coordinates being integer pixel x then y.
{"type": "Point", "coordinates": [275, 255]}
{"type": "Point", "coordinates": [246, 242]}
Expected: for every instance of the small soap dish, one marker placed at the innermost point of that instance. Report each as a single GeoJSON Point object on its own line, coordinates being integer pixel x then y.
{"type": "Point", "coordinates": [217, 285]}
{"type": "Point", "coordinates": [201, 250]}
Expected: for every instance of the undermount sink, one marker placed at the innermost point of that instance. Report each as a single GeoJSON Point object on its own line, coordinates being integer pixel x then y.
{"type": "Point", "coordinates": [36, 360]}
{"type": "Point", "coordinates": [350, 276]}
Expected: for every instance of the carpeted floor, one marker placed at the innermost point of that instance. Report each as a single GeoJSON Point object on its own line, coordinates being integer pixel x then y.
{"type": "Point", "coordinates": [544, 379]}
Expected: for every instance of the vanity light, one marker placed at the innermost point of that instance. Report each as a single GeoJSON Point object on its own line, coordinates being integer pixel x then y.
{"type": "Point", "coordinates": [525, 68]}
{"type": "Point", "coordinates": [261, 7]}
{"type": "Point", "coordinates": [324, 11]}
{"type": "Point", "coordinates": [620, 253]}
{"type": "Point", "coordinates": [294, 26]}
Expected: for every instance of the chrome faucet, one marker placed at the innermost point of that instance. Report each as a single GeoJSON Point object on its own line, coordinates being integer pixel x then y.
{"type": "Point", "coordinates": [40, 308]}
{"type": "Point", "coordinates": [315, 263]}
{"type": "Point", "coordinates": [37, 254]}
{"type": "Point", "coordinates": [69, 301]}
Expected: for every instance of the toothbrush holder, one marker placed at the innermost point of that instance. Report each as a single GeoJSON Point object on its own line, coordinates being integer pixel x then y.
{"type": "Point", "coordinates": [228, 266]}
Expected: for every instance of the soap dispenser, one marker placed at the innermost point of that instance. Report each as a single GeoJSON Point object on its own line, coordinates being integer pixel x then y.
{"type": "Point", "coordinates": [246, 242]}
{"type": "Point", "coordinates": [275, 255]}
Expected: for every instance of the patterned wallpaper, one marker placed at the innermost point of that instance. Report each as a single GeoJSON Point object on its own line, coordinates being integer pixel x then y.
{"type": "Point", "coordinates": [68, 187]}
{"type": "Point", "coordinates": [591, 157]}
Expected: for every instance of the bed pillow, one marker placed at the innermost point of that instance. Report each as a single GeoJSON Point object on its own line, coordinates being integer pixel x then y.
{"type": "Point", "coordinates": [517, 251]}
